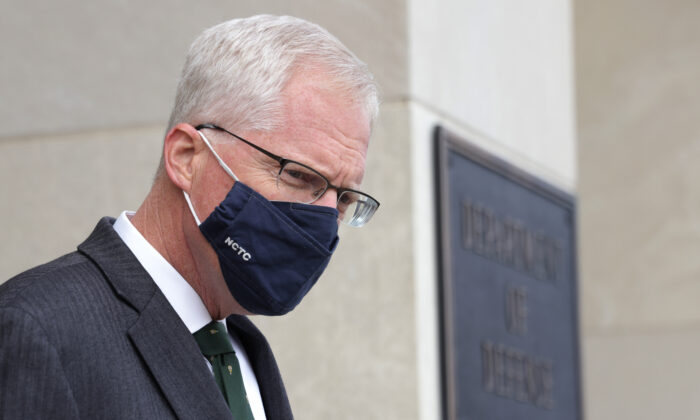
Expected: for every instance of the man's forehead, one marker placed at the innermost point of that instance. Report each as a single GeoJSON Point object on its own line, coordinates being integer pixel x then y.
{"type": "Point", "coordinates": [315, 99]}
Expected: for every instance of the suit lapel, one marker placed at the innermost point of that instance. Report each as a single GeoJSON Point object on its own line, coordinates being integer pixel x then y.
{"type": "Point", "coordinates": [272, 390]}
{"type": "Point", "coordinates": [159, 335]}
{"type": "Point", "coordinates": [177, 363]}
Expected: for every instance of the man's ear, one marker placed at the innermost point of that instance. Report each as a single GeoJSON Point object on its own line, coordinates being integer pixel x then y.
{"type": "Point", "coordinates": [178, 155]}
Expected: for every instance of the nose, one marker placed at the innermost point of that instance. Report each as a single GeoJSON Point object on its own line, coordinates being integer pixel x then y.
{"type": "Point", "coordinates": [328, 199]}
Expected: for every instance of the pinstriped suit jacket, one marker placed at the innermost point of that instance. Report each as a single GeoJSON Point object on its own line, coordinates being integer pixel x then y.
{"type": "Point", "coordinates": [91, 336]}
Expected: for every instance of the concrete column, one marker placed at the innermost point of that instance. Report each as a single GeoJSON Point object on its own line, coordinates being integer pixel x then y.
{"type": "Point", "coordinates": [638, 105]}
{"type": "Point", "coordinates": [499, 74]}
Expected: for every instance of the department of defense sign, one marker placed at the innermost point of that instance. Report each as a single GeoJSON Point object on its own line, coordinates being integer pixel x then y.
{"type": "Point", "coordinates": [508, 290]}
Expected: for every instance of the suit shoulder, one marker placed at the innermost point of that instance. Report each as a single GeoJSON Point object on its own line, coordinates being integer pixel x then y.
{"type": "Point", "coordinates": [48, 284]}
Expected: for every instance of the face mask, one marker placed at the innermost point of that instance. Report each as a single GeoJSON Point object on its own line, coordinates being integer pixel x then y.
{"type": "Point", "coordinates": [270, 253]}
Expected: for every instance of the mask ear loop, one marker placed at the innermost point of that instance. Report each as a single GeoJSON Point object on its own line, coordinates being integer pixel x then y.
{"type": "Point", "coordinates": [189, 203]}
{"type": "Point", "coordinates": [218, 159]}
{"type": "Point", "coordinates": [223, 165]}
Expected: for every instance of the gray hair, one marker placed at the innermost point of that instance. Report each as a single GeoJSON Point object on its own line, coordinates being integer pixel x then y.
{"type": "Point", "coordinates": [236, 71]}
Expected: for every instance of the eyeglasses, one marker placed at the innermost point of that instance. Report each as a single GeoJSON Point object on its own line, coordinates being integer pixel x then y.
{"type": "Point", "coordinates": [301, 183]}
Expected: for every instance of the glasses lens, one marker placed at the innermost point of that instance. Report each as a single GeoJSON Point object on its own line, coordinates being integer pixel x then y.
{"type": "Point", "coordinates": [300, 183]}
{"type": "Point", "coordinates": [355, 208]}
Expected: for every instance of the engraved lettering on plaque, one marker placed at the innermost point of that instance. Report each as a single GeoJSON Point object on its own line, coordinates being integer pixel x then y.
{"type": "Point", "coordinates": [507, 289]}
{"type": "Point", "coordinates": [510, 373]}
{"type": "Point", "coordinates": [516, 310]}
{"type": "Point", "coordinates": [508, 242]}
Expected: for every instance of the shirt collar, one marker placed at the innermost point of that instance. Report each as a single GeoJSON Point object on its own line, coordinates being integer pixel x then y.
{"type": "Point", "coordinates": [181, 296]}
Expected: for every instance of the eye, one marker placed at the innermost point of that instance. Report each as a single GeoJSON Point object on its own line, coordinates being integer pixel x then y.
{"type": "Point", "coordinates": [299, 177]}
{"type": "Point", "coordinates": [296, 178]}
{"type": "Point", "coordinates": [296, 174]}
{"type": "Point", "coordinates": [317, 193]}
{"type": "Point", "coordinates": [346, 200]}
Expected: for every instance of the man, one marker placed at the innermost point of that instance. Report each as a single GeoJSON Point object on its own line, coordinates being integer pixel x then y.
{"type": "Point", "coordinates": [262, 159]}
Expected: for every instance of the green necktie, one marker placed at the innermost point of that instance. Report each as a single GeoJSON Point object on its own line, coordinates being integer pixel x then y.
{"type": "Point", "coordinates": [214, 342]}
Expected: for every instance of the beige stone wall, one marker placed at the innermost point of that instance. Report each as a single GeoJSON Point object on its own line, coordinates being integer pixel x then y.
{"type": "Point", "coordinates": [639, 152]}
{"type": "Point", "coordinates": [502, 72]}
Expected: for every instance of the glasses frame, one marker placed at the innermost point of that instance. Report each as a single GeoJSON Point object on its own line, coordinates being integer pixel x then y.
{"type": "Point", "coordinates": [284, 161]}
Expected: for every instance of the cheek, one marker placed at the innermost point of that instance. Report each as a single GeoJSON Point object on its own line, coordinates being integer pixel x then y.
{"type": "Point", "coordinates": [205, 202]}
{"type": "Point", "coordinates": [208, 192]}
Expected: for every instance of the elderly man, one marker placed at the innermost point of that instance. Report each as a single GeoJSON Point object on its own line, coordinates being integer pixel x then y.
{"type": "Point", "coordinates": [263, 157]}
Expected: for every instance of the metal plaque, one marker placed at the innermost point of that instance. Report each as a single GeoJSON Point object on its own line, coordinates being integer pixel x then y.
{"type": "Point", "coordinates": [508, 290]}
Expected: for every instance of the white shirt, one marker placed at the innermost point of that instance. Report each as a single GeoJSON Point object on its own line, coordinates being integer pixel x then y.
{"type": "Point", "coordinates": [186, 302]}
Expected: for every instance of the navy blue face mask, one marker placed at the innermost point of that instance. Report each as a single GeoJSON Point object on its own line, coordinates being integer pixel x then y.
{"type": "Point", "coordinates": [270, 252]}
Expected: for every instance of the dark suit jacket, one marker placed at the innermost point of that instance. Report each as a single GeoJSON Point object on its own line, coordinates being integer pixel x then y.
{"type": "Point", "coordinates": [91, 336]}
